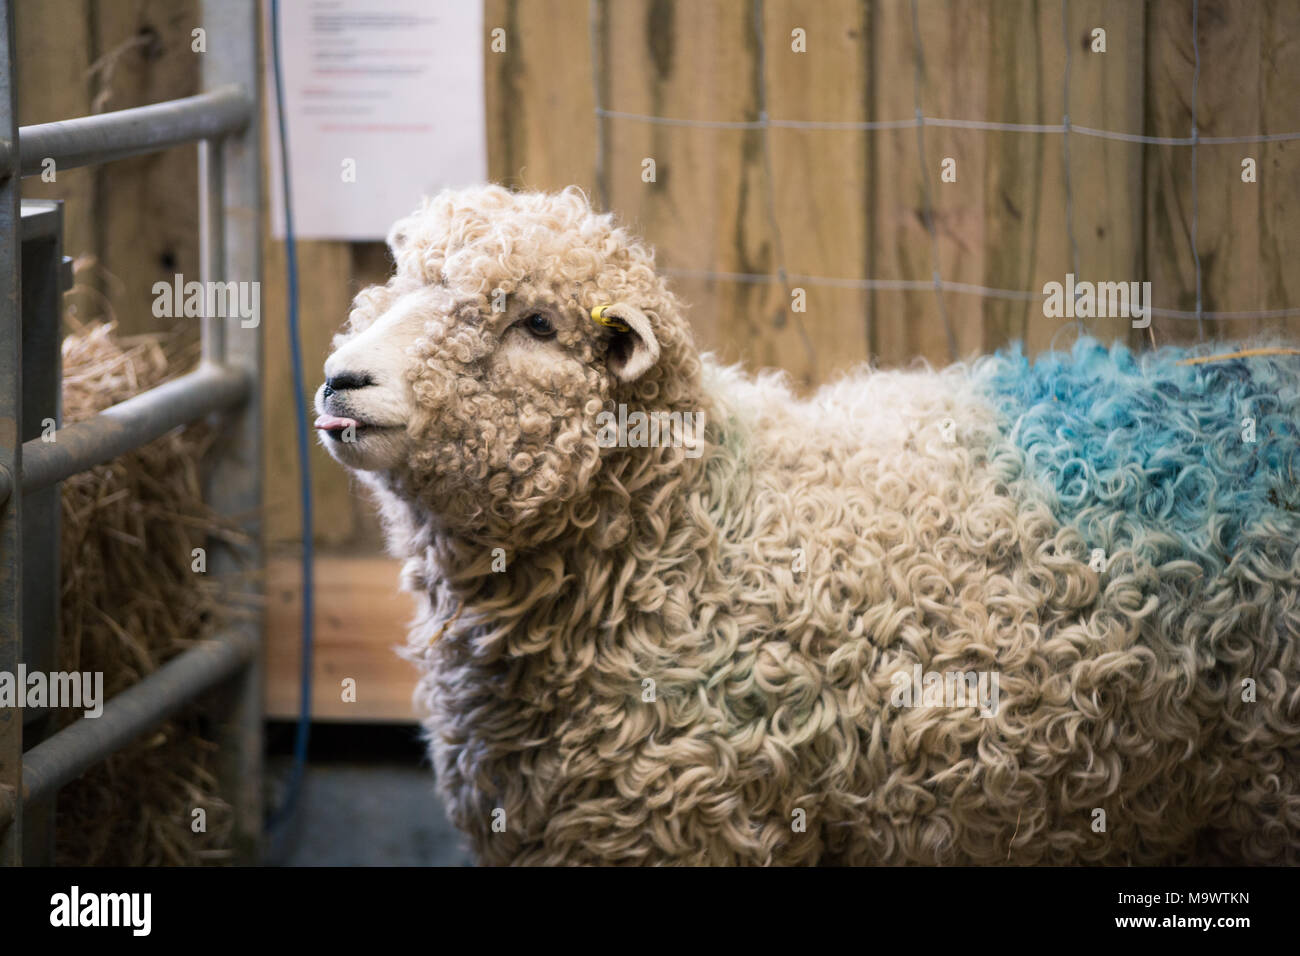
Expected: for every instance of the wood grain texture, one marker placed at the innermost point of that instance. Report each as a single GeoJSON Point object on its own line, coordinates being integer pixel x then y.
{"type": "Point", "coordinates": [324, 299]}
{"type": "Point", "coordinates": [540, 106]}
{"type": "Point", "coordinates": [360, 619]}
{"type": "Point", "coordinates": [842, 204]}
{"type": "Point", "coordinates": [54, 52]}
{"type": "Point", "coordinates": [1245, 232]}
{"type": "Point", "coordinates": [705, 209]}
{"type": "Point", "coordinates": [146, 208]}
{"type": "Point", "coordinates": [1278, 164]}
{"type": "Point", "coordinates": [1107, 92]}
{"type": "Point", "coordinates": [954, 38]}
{"type": "Point", "coordinates": [820, 183]}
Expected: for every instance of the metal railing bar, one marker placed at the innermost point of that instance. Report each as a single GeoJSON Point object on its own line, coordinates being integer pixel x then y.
{"type": "Point", "coordinates": [89, 140]}
{"type": "Point", "coordinates": [212, 241]}
{"type": "Point", "coordinates": [11, 401]}
{"type": "Point", "coordinates": [66, 755]}
{"type": "Point", "coordinates": [131, 423]}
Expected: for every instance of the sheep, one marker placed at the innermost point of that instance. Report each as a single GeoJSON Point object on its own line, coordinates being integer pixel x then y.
{"type": "Point", "coordinates": [1010, 611]}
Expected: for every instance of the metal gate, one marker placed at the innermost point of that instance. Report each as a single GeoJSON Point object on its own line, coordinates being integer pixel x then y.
{"type": "Point", "coordinates": [223, 120]}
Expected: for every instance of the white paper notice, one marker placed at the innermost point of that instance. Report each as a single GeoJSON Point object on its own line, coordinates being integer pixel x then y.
{"type": "Point", "coordinates": [385, 104]}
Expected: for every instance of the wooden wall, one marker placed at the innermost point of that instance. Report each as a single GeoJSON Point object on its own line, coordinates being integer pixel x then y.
{"type": "Point", "coordinates": [851, 203]}
{"type": "Point", "coordinates": [847, 203]}
{"type": "Point", "coordinates": [137, 218]}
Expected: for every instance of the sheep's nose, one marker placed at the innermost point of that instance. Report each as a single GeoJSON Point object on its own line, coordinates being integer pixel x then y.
{"type": "Point", "coordinates": [346, 380]}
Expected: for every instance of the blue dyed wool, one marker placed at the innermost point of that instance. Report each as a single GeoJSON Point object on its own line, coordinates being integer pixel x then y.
{"type": "Point", "coordinates": [1143, 454]}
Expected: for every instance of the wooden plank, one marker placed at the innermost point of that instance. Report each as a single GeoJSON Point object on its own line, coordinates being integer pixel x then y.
{"type": "Point", "coordinates": [820, 183]}
{"type": "Point", "coordinates": [541, 124]}
{"type": "Point", "coordinates": [1228, 104]}
{"type": "Point", "coordinates": [1003, 223]}
{"type": "Point", "coordinates": [1246, 234]}
{"type": "Point", "coordinates": [146, 209]}
{"type": "Point", "coordinates": [324, 270]}
{"type": "Point", "coordinates": [955, 39]}
{"type": "Point", "coordinates": [360, 619]}
{"type": "Point", "coordinates": [1038, 226]}
{"type": "Point", "coordinates": [1278, 165]}
{"type": "Point", "coordinates": [705, 210]}
{"type": "Point", "coordinates": [1249, 75]}
{"type": "Point", "coordinates": [54, 52]}
{"type": "Point", "coordinates": [1023, 242]}
{"type": "Point", "coordinates": [1107, 91]}
{"type": "Point", "coordinates": [1169, 255]}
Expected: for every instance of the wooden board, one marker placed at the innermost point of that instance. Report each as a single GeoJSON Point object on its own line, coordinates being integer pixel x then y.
{"type": "Point", "coordinates": [325, 296]}
{"type": "Point", "coordinates": [955, 41]}
{"type": "Point", "coordinates": [146, 208]}
{"type": "Point", "coordinates": [360, 618]}
{"type": "Point", "coordinates": [1247, 234]}
{"type": "Point", "coordinates": [1107, 91]}
{"type": "Point", "coordinates": [1279, 164]}
{"type": "Point", "coordinates": [54, 52]}
{"type": "Point", "coordinates": [705, 209]}
{"type": "Point", "coordinates": [820, 185]}
{"type": "Point", "coordinates": [540, 105]}
{"type": "Point", "coordinates": [848, 204]}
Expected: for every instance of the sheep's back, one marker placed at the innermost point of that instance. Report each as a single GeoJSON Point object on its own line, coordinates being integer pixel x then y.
{"type": "Point", "coordinates": [1092, 527]}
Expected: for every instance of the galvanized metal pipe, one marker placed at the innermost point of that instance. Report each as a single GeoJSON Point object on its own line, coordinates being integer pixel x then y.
{"type": "Point", "coordinates": [11, 447]}
{"type": "Point", "coordinates": [212, 241]}
{"type": "Point", "coordinates": [132, 423]}
{"type": "Point", "coordinates": [89, 140]}
{"type": "Point", "coordinates": [69, 753]}
{"type": "Point", "coordinates": [233, 487]}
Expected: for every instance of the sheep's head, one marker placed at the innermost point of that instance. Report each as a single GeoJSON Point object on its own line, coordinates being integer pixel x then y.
{"type": "Point", "coordinates": [470, 385]}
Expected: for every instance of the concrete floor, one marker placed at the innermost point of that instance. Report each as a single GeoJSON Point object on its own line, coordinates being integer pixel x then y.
{"type": "Point", "coordinates": [366, 801]}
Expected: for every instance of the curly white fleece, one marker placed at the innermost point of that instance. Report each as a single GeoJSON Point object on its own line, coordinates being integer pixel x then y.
{"type": "Point", "coordinates": [772, 589]}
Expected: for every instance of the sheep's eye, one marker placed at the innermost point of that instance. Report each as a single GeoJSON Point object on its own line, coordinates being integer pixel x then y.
{"type": "Point", "coordinates": [539, 325]}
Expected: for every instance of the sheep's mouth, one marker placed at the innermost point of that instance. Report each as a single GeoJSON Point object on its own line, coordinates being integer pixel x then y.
{"type": "Point", "coordinates": [340, 428]}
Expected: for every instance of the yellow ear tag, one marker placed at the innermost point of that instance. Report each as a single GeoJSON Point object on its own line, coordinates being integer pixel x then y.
{"type": "Point", "coordinates": [598, 315]}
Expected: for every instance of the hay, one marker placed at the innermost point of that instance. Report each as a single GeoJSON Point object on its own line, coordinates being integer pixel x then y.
{"type": "Point", "coordinates": [130, 601]}
{"type": "Point", "coordinates": [1244, 353]}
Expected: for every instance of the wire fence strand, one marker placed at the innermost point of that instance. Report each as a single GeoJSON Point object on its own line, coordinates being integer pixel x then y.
{"type": "Point", "coordinates": [765, 123]}
{"type": "Point", "coordinates": [948, 123]}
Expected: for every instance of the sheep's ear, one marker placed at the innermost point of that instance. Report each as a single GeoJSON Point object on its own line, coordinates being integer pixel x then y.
{"type": "Point", "coordinates": [633, 348]}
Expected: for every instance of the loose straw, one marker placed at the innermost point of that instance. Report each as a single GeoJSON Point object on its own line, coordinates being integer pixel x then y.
{"type": "Point", "coordinates": [1245, 353]}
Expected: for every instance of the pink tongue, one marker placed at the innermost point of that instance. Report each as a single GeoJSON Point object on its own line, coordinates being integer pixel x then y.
{"type": "Point", "coordinates": [331, 423]}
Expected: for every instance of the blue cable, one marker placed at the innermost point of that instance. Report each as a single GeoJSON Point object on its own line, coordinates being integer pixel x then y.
{"type": "Point", "coordinates": [303, 734]}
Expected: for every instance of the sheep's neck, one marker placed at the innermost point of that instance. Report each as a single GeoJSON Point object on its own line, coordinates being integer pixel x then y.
{"type": "Point", "coordinates": [488, 585]}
